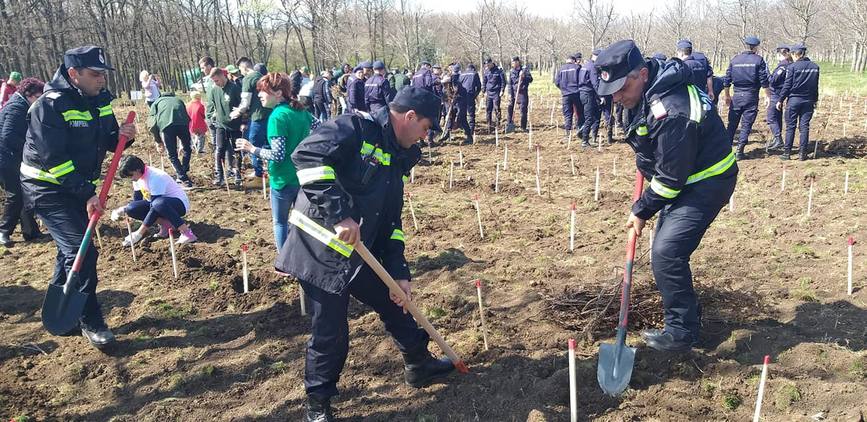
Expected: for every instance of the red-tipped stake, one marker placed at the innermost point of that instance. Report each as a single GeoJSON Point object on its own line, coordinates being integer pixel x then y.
{"type": "Point", "coordinates": [451, 174]}
{"type": "Point", "coordinates": [497, 136]}
{"type": "Point", "coordinates": [757, 415]}
{"type": "Point", "coordinates": [846, 184]}
{"type": "Point", "coordinates": [783, 179]}
{"type": "Point", "coordinates": [596, 190]}
{"type": "Point", "coordinates": [482, 313]}
{"type": "Point", "coordinates": [573, 383]}
{"type": "Point", "coordinates": [810, 199]}
{"type": "Point", "coordinates": [172, 250]}
{"type": "Point", "coordinates": [497, 179]}
{"type": "Point", "coordinates": [479, 216]}
{"type": "Point", "coordinates": [246, 271]}
{"type": "Point", "coordinates": [538, 169]}
{"type": "Point", "coordinates": [851, 252]}
{"type": "Point", "coordinates": [264, 188]}
{"type": "Point", "coordinates": [412, 211]}
{"type": "Point", "coordinates": [131, 244]}
{"type": "Point", "coordinates": [572, 227]}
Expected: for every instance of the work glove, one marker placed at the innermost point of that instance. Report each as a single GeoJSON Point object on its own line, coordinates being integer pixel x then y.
{"type": "Point", "coordinates": [117, 213]}
{"type": "Point", "coordinates": [133, 238]}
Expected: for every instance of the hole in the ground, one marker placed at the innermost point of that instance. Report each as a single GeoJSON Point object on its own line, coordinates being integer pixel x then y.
{"type": "Point", "coordinates": [238, 284]}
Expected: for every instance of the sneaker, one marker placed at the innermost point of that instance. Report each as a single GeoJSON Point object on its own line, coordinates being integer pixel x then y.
{"type": "Point", "coordinates": [5, 240]}
{"type": "Point", "coordinates": [252, 175]}
{"type": "Point", "coordinates": [164, 231]}
{"type": "Point", "coordinates": [187, 237]}
{"type": "Point", "coordinates": [187, 184]}
{"type": "Point", "coordinates": [135, 237]}
{"type": "Point", "coordinates": [217, 182]}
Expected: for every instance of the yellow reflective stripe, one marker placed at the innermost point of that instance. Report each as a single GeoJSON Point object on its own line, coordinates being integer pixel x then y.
{"type": "Point", "coordinates": [405, 178]}
{"type": "Point", "coordinates": [320, 233]}
{"type": "Point", "coordinates": [383, 157]}
{"type": "Point", "coordinates": [35, 173]}
{"type": "Point", "coordinates": [716, 169]}
{"type": "Point", "coordinates": [76, 115]}
{"type": "Point", "coordinates": [662, 190]}
{"type": "Point", "coordinates": [641, 131]}
{"type": "Point", "coordinates": [397, 234]}
{"type": "Point", "coordinates": [315, 174]}
{"type": "Point", "coordinates": [694, 104]}
{"type": "Point", "coordinates": [106, 111]}
{"type": "Point", "coordinates": [62, 169]}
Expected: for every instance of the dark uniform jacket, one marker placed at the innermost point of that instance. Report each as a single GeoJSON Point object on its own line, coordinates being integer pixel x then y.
{"type": "Point", "coordinates": [67, 140]}
{"type": "Point", "coordinates": [377, 92]}
{"type": "Point", "coordinates": [701, 70]}
{"type": "Point", "coordinates": [747, 72]}
{"type": "Point", "coordinates": [351, 167]}
{"type": "Point", "coordinates": [469, 85]}
{"type": "Point", "coordinates": [321, 90]}
{"type": "Point", "coordinates": [522, 76]}
{"type": "Point", "coordinates": [494, 81]}
{"type": "Point", "coordinates": [588, 80]}
{"type": "Point", "coordinates": [355, 94]}
{"type": "Point", "coordinates": [423, 78]}
{"type": "Point", "coordinates": [777, 78]}
{"type": "Point", "coordinates": [13, 130]}
{"type": "Point", "coordinates": [802, 81]}
{"type": "Point", "coordinates": [567, 79]}
{"type": "Point", "coordinates": [678, 137]}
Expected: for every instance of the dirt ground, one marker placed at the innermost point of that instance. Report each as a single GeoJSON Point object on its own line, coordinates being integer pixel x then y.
{"type": "Point", "coordinates": [196, 348]}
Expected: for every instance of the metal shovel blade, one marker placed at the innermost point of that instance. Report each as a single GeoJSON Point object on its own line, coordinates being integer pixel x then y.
{"type": "Point", "coordinates": [614, 372]}
{"type": "Point", "coordinates": [61, 311]}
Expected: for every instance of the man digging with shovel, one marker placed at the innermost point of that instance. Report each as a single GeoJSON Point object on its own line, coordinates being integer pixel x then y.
{"type": "Point", "coordinates": [350, 171]}
{"type": "Point", "coordinates": [682, 147]}
{"type": "Point", "coordinates": [72, 126]}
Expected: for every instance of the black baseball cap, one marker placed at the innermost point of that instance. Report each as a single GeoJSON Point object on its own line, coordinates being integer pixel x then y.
{"type": "Point", "coordinates": [614, 64]}
{"type": "Point", "coordinates": [423, 102]}
{"type": "Point", "coordinates": [87, 56]}
{"type": "Point", "coordinates": [799, 47]}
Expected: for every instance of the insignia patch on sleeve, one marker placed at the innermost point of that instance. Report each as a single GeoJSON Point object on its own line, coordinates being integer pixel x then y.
{"type": "Point", "coordinates": [659, 111]}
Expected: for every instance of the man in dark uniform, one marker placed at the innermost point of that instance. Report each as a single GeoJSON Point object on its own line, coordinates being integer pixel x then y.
{"type": "Point", "coordinates": [494, 83]}
{"type": "Point", "coordinates": [71, 127]}
{"type": "Point", "coordinates": [682, 147]}
{"type": "Point", "coordinates": [801, 89]}
{"type": "Point", "coordinates": [566, 79]}
{"type": "Point", "coordinates": [702, 73]}
{"type": "Point", "coordinates": [747, 72]}
{"type": "Point", "coordinates": [423, 78]}
{"type": "Point", "coordinates": [355, 89]}
{"type": "Point", "coordinates": [351, 171]}
{"type": "Point", "coordinates": [776, 79]}
{"type": "Point", "coordinates": [467, 85]}
{"type": "Point", "coordinates": [588, 80]}
{"type": "Point", "coordinates": [519, 82]}
{"type": "Point", "coordinates": [377, 90]}
{"type": "Point", "coordinates": [606, 106]}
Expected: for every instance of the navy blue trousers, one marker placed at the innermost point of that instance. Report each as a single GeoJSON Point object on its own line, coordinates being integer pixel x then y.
{"type": "Point", "coordinates": [329, 343]}
{"type": "Point", "coordinates": [679, 230]}
{"type": "Point", "coordinates": [523, 102]}
{"type": "Point", "coordinates": [743, 115]}
{"type": "Point", "coordinates": [799, 112]}
{"type": "Point", "coordinates": [775, 118]}
{"type": "Point", "coordinates": [571, 107]}
{"type": "Point", "coordinates": [590, 104]}
{"type": "Point", "coordinates": [492, 105]}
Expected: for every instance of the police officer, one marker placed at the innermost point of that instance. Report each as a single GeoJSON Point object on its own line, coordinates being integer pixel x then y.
{"type": "Point", "coordinates": [682, 147]}
{"type": "Point", "coordinates": [71, 127]}
{"type": "Point", "coordinates": [747, 72]}
{"type": "Point", "coordinates": [588, 80]}
{"type": "Point", "coordinates": [351, 171]}
{"type": "Point", "coordinates": [423, 78]}
{"type": "Point", "coordinates": [494, 83]}
{"type": "Point", "coordinates": [702, 73]}
{"type": "Point", "coordinates": [801, 89]}
{"type": "Point", "coordinates": [519, 81]}
{"type": "Point", "coordinates": [605, 106]}
{"type": "Point", "coordinates": [776, 79]}
{"type": "Point", "coordinates": [355, 89]}
{"type": "Point", "coordinates": [377, 90]}
{"type": "Point", "coordinates": [469, 88]}
{"type": "Point", "coordinates": [659, 56]}
{"type": "Point", "coordinates": [566, 79]}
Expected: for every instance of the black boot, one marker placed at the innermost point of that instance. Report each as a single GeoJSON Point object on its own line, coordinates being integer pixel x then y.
{"type": "Point", "coordinates": [420, 367]}
{"type": "Point", "coordinates": [446, 135]}
{"type": "Point", "coordinates": [318, 409]}
{"type": "Point", "coordinates": [740, 154]}
{"type": "Point", "coordinates": [776, 144]}
{"type": "Point", "coordinates": [787, 155]}
{"type": "Point", "coordinates": [802, 155]}
{"type": "Point", "coordinates": [663, 341]}
{"type": "Point", "coordinates": [510, 127]}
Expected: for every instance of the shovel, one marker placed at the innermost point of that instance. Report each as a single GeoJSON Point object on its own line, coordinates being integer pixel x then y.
{"type": "Point", "coordinates": [616, 360]}
{"type": "Point", "coordinates": [416, 313]}
{"type": "Point", "coordinates": [64, 304]}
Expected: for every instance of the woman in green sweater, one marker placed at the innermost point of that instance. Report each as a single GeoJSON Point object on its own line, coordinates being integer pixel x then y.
{"type": "Point", "coordinates": [289, 123]}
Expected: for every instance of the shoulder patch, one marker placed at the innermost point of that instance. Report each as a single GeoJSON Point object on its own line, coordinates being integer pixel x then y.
{"type": "Point", "coordinates": [658, 109]}
{"type": "Point", "coordinates": [53, 95]}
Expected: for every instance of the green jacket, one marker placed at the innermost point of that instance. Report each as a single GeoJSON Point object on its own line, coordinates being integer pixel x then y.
{"type": "Point", "coordinates": [168, 110]}
{"type": "Point", "coordinates": [223, 100]}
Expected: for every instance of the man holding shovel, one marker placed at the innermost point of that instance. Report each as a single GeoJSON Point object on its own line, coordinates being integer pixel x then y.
{"type": "Point", "coordinates": [71, 127]}
{"type": "Point", "coordinates": [350, 171]}
{"type": "Point", "coordinates": [683, 148]}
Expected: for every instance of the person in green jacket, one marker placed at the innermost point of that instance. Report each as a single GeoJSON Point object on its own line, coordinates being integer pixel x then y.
{"type": "Point", "coordinates": [224, 97]}
{"type": "Point", "coordinates": [169, 115]}
{"type": "Point", "coordinates": [288, 124]}
{"type": "Point", "coordinates": [399, 79]}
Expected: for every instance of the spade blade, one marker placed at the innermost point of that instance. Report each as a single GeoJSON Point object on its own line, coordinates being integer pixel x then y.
{"type": "Point", "coordinates": [612, 373]}
{"type": "Point", "coordinates": [61, 311]}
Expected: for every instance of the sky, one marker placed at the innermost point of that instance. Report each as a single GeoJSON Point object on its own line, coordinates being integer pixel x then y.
{"type": "Point", "coordinates": [547, 8]}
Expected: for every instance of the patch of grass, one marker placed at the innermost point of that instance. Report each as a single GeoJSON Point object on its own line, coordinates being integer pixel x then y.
{"type": "Point", "coordinates": [731, 401]}
{"type": "Point", "coordinates": [786, 396]}
{"type": "Point", "coordinates": [435, 313]}
{"type": "Point", "coordinates": [176, 381]}
{"type": "Point", "coordinates": [858, 369]}
{"type": "Point", "coordinates": [213, 285]}
{"type": "Point", "coordinates": [207, 370]}
{"type": "Point", "coordinates": [279, 366]}
{"type": "Point", "coordinates": [21, 418]}
{"type": "Point", "coordinates": [805, 292]}
{"type": "Point", "coordinates": [804, 250]}
{"type": "Point", "coordinates": [836, 80]}
{"type": "Point", "coordinates": [753, 380]}
{"type": "Point", "coordinates": [427, 418]}
{"type": "Point", "coordinates": [708, 387]}
{"type": "Point", "coordinates": [166, 310]}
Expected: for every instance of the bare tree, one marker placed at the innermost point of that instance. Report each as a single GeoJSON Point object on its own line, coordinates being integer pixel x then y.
{"type": "Point", "coordinates": [597, 16]}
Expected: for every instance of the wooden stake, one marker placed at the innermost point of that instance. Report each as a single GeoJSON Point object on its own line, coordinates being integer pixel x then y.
{"type": "Point", "coordinates": [538, 170]}
{"type": "Point", "coordinates": [302, 302]}
{"type": "Point", "coordinates": [573, 383]}
{"type": "Point", "coordinates": [551, 120]}
{"type": "Point", "coordinates": [649, 245]}
{"type": "Point", "coordinates": [482, 313]}
{"type": "Point", "coordinates": [479, 217]}
{"type": "Point", "coordinates": [497, 179]}
{"type": "Point", "coordinates": [451, 174]}
{"type": "Point", "coordinates": [131, 244]}
{"type": "Point", "coordinates": [851, 243]}
{"type": "Point", "coordinates": [264, 188]}
{"type": "Point", "coordinates": [461, 157]}
{"type": "Point", "coordinates": [572, 227]}
{"type": "Point", "coordinates": [497, 136]}
{"type": "Point", "coordinates": [846, 183]}
{"type": "Point", "coordinates": [569, 139]}
{"type": "Point", "coordinates": [429, 153]}
{"type": "Point", "coordinates": [412, 175]}
{"type": "Point", "coordinates": [732, 202]}
{"type": "Point", "coordinates": [758, 413]}
{"type": "Point", "coordinates": [246, 271]}
{"type": "Point", "coordinates": [596, 190]}
{"type": "Point", "coordinates": [810, 199]}
{"type": "Point", "coordinates": [172, 250]}
{"type": "Point", "coordinates": [816, 150]}
{"type": "Point", "coordinates": [412, 211]}
{"type": "Point", "coordinates": [572, 163]}
{"type": "Point", "coordinates": [783, 179]}
{"type": "Point", "coordinates": [614, 167]}
{"type": "Point", "coordinates": [530, 138]}
{"type": "Point", "coordinates": [506, 157]}
{"type": "Point", "coordinates": [98, 236]}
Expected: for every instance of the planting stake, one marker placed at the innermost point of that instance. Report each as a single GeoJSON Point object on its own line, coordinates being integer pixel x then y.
{"type": "Point", "coordinates": [302, 302]}
{"type": "Point", "coordinates": [172, 250]}
{"type": "Point", "coordinates": [846, 183]}
{"type": "Point", "coordinates": [497, 179]}
{"type": "Point", "coordinates": [816, 150]}
{"type": "Point", "coordinates": [762, 381]}
{"type": "Point", "coordinates": [479, 217]}
{"type": "Point", "coordinates": [451, 174]}
{"type": "Point", "coordinates": [412, 212]}
{"type": "Point", "coordinates": [538, 169]}
{"type": "Point", "coordinates": [614, 166]}
{"type": "Point", "coordinates": [569, 139]}
{"type": "Point", "coordinates": [551, 120]}
{"type": "Point", "coordinates": [461, 157]}
{"type": "Point", "coordinates": [131, 244]}
{"type": "Point", "coordinates": [264, 188]}
{"type": "Point", "coordinates": [573, 383]}
{"type": "Point", "coordinates": [395, 289]}
{"type": "Point", "coordinates": [246, 273]}
{"type": "Point", "coordinates": [412, 175]}
{"type": "Point", "coordinates": [851, 246]}
{"type": "Point", "coordinates": [810, 199]}
{"type": "Point", "coordinates": [506, 157]}
{"type": "Point", "coordinates": [572, 163]}
{"type": "Point", "coordinates": [596, 190]}
{"type": "Point", "coordinates": [783, 179]}
{"type": "Point", "coordinates": [732, 202]}
{"type": "Point", "coordinates": [482, 313]}
{"type": "Point", "coordinates": [649, 245]}
{"type": "Point", "coordinates": [98, 236]}
{"type": "Point", "coordinates": [497, 136]}
{"type": "Point", "coordinates": [572, 227]}
{"type": "Point", "coordinates": [530, 138]}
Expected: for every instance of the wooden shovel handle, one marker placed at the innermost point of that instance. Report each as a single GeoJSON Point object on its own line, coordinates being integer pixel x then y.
{"type": "Point", "coordinates": [416, 313]}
